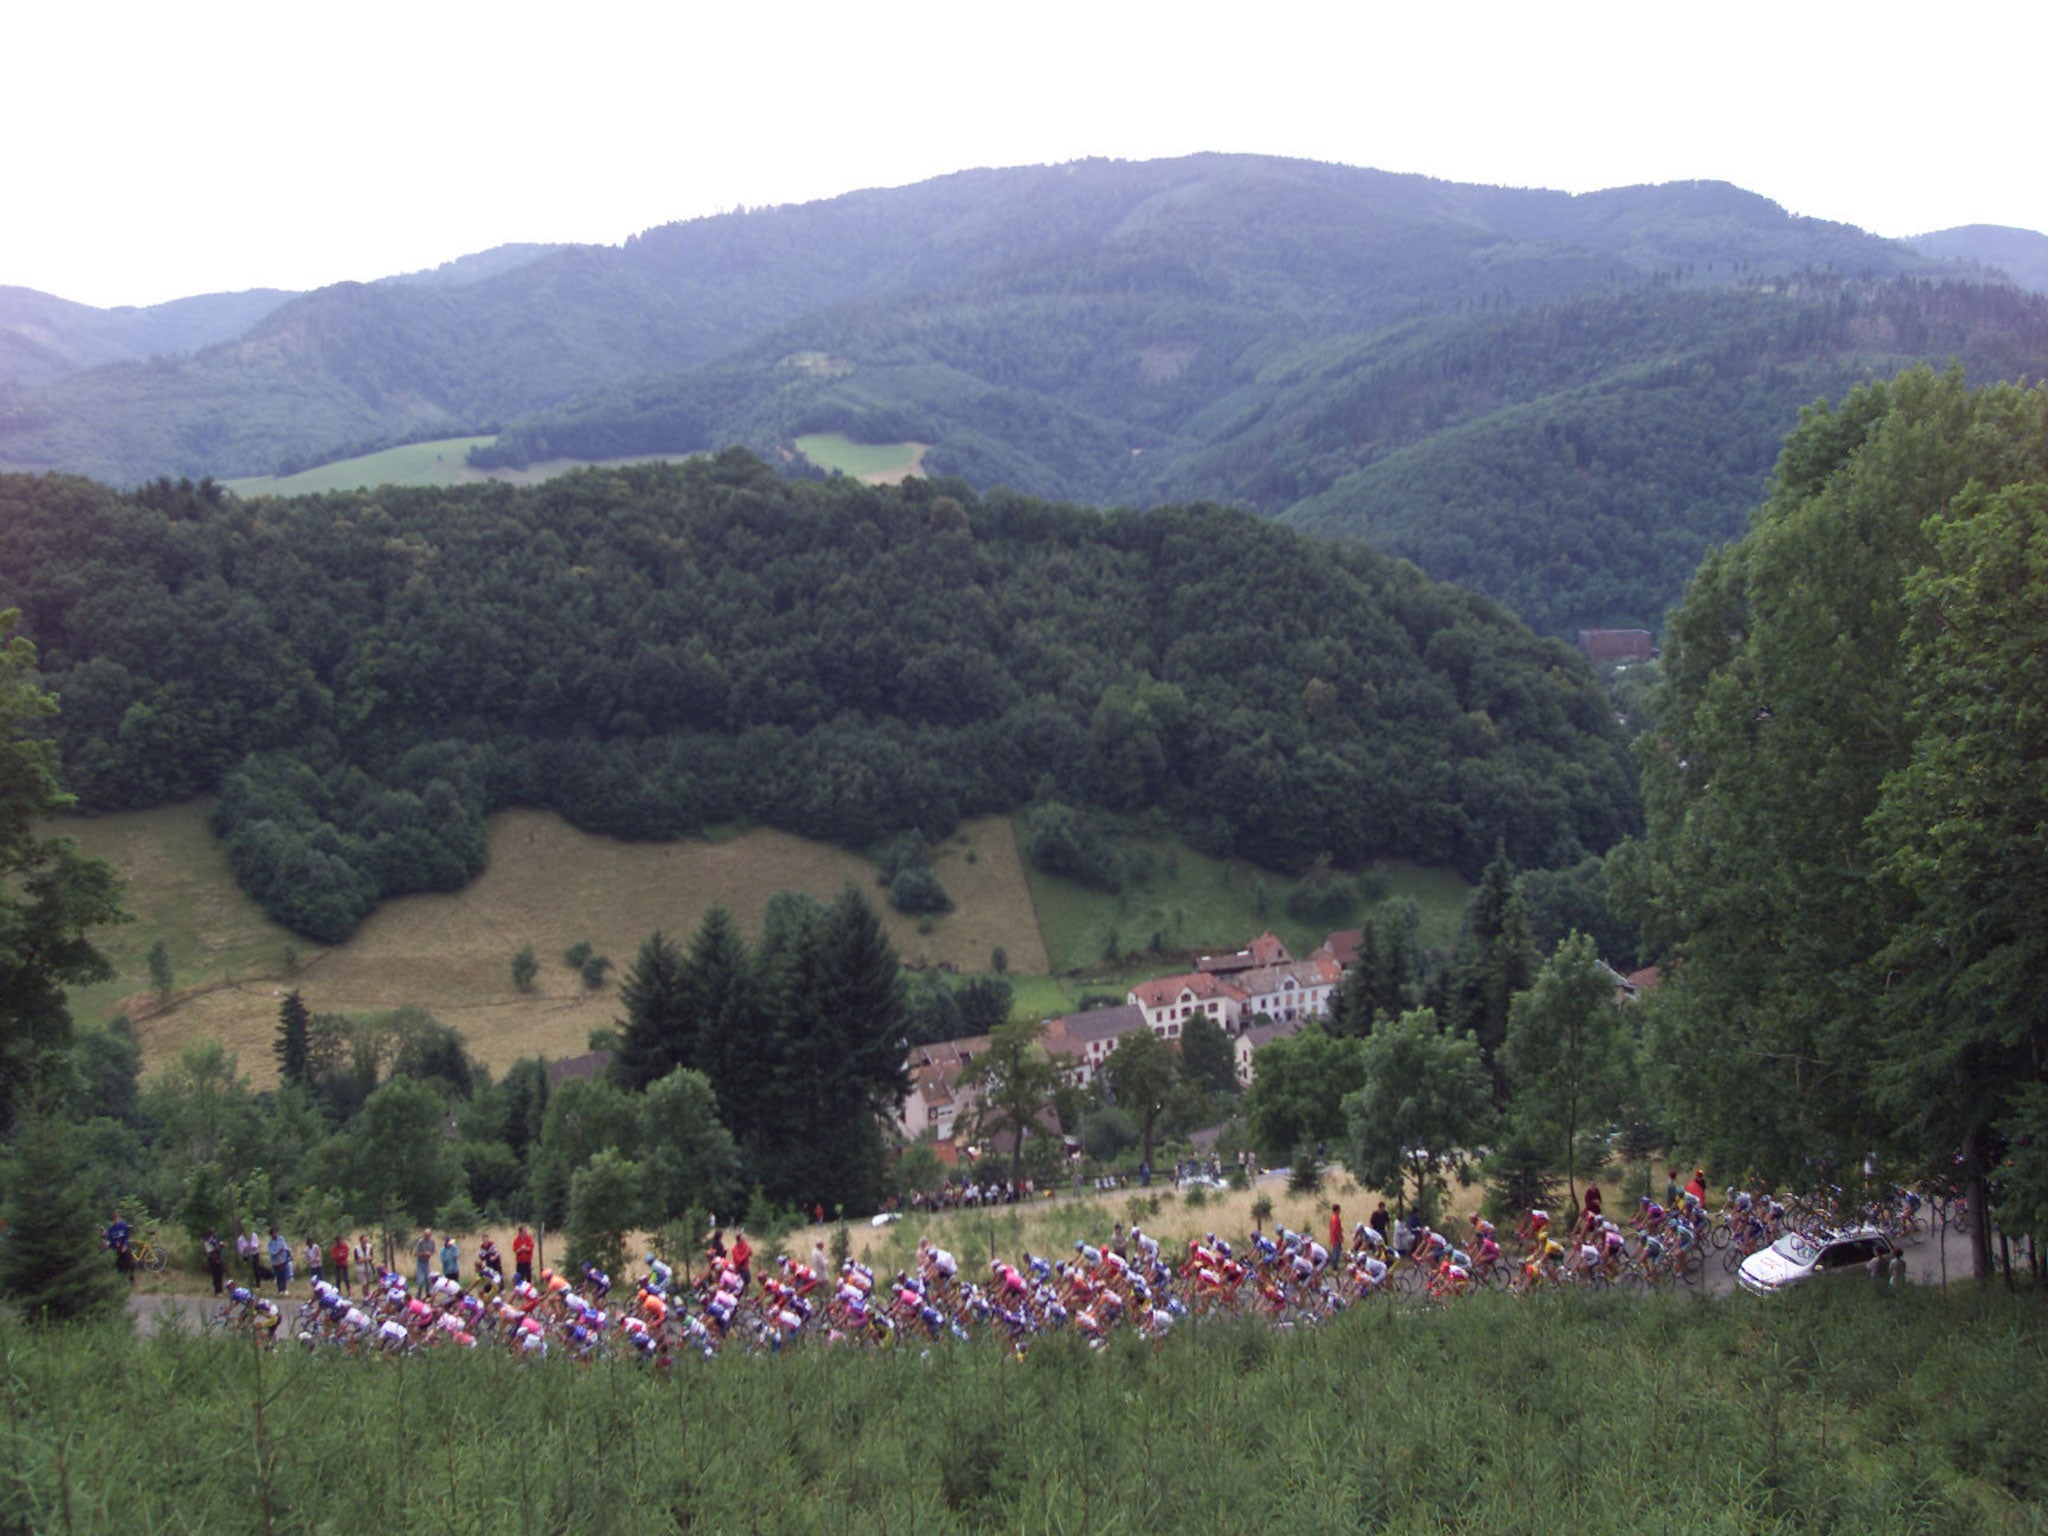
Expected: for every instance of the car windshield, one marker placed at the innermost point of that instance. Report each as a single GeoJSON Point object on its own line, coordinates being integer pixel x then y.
{"type": "Point", "coordinates": [1797, 1247]}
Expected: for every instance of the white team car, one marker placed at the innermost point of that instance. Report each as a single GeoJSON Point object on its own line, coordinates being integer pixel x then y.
{"type": "Point", "coordinates": [1800, 1256]}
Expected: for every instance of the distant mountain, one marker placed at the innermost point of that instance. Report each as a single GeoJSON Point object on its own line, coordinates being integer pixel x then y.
{"type": "Point", "coordinates": [1334, 346]}
{"type": "Point", "coordinates": [43, 338]}
{"type": "Point", "coordinates": [476, 267]}
{"type": "Point", "coordinates": [2020, 254]}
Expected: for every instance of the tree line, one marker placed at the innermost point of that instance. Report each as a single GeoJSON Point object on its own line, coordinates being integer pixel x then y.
{"type": "Point", "coordinates": [362, 677]}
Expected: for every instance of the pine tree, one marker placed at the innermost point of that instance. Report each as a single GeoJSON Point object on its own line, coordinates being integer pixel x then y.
{"type": "Point", "coordinates": [293, 1046]}
{"type": "Point", "coordinates": [51, 1265]}
{"type": "Point", "coordinates": [1494, 960]}
{"type": "Point", "coordinates": [160, 974]}
{"type": "Point", "coordinates": [657, 1035]}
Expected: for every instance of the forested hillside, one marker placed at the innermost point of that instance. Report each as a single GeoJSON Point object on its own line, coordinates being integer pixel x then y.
{"type": "Point", "coordinates": [1362, 352]}
{"type": "Point", "coordinates": [363, 676]}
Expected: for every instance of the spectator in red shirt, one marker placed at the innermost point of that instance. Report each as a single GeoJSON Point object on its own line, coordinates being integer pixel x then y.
{"type": "Point", "coordinates": [522, 1255]}
{"type": "Point", "coordinates": [1336, 1229]}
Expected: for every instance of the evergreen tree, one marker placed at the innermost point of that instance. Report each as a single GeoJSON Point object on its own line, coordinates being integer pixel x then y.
{"type": "Point", "coordinates": [725, 988]}
{"type": "Point", "coordinates": [51, 896]}
{"type": "Point", "coordinates": [1494, 960]}
{"type": "Point", "coordinates": [657, 1034]}
{"type": "Point", "coordinates": [293, 1046]}
{"type": "Point", "coordinates": [841, 1051]}
{"type": "Point", "coordinates": [51, 1265]}
{"type": "Point", "coordinates": [160, 974]}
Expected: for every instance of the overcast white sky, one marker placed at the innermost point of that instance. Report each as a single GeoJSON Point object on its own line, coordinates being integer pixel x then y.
{"type": "Point", "coordinates": [154, 150]}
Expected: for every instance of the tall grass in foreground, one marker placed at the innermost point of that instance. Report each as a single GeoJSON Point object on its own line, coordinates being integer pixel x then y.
{"type": "Point", "coordinates": [1854, 1410]}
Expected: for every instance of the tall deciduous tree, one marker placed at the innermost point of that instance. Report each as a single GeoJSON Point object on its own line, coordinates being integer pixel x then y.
{"type": "Point", "coordinates": [1298, 1088]}
{"type": "Point", "coordinates": [1843, 827]}
{"type": "Point", "coordinates": [1012, 1082]}
{"type": "Point", "coordinates": [1566, 1053]}
{"type": "Point", "coordinates": [1141, 1072]}
{"type": "Point", "coordinates": [689, 1158]}
{"type": "Point", "coordinates": [1425, 1107]}
{"type": "Point", "coordinates": [1207, 1058]}
{"type": "Point", "coordinates": [51, 895]}
{"type": "Point", "coordinates": [1964, 1012]}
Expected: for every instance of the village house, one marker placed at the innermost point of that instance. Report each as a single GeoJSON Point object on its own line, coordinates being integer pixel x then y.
{"type": "Point", "coordinates": [1265, 950]}
{"type": "Point", "coordinates": [1256, 1038]}
{"type": "Point", "coordinates": [1081, 1042]}
{"type": "Point", "coordinates": [938, 1100]}
{"type": "Point", "coordinates": [1170, 1001]}
{"type": "Point", "coordinates": [1290, 993]}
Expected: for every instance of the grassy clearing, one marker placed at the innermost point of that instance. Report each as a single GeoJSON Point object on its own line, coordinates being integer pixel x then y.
{"type": "Point", "coordinates": [441, 462]}
{"type": "Point", "coordinates": [1835, 1409]}
{"type": "Point", "coordinates": [1193, 904]}
{"type": "Point", "coordinates": [877, 463]}
{"type": "Point", "coordinates": [550, 885]}
{"type": "Point", "coordinates": [1053, 1226]}
{"type": "Point", "coordinates": [546, 884]}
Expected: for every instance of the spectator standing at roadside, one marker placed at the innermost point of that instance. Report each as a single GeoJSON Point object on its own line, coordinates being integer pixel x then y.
{"type": "Point", "coordinates": [451, 1259]}
{"type": "Point", "coordinates": [1336, 1229]}
{"type": "Point", "coordinates": [280, 1261]}
{"type": "Point", "coordinates": [117, 1239]}
{"type": "Point", "coordinates": [522, 1255]}
{"type": "Point", "coordinates": [216, 1259]}
{"type": "Point", "coordinates": [365, 1258]}
{"type": "Point", "coordinates": [339, 1254]}
{"type": "Point", "coordinates": [423, 1259]}
{"type": "Point", "coordinates": [315, 1258]}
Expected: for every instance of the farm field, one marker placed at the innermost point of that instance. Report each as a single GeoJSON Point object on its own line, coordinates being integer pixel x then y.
{"type": "Point", "coordinates": [441, 462]}
{"type": "Point", "coordinates": [876, 463]}
{"type": "Point", "coordinates": [546, 884]}
{"type": "Point", "coordinates": [1845, 1408]}
{"type": "Point", "coordinates": [552, 886]}
{"type": "Point", "coordinates": [1189, 898]}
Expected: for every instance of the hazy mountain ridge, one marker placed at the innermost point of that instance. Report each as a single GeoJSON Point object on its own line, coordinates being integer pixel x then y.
{"type": "Point", "coordinates": [2019, 254]}
{"type": "Point", "coordinates": [43, 338]}
{"type": "Point", "coordinates": [1228, 327]}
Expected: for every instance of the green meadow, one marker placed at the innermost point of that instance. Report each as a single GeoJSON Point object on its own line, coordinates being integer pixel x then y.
{"type": "Point", "coordinates": [443, 462]}
{"type": "Point", "coordinates": [835, 450]}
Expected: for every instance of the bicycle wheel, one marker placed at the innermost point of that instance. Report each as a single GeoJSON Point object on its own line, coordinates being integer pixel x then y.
{"type": "Point", "coordinates": [1722, 1235]}
{"type": "Point", "coordinates": [154, 1258]}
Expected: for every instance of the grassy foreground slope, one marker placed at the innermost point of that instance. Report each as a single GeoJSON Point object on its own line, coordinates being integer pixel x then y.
{"type": "Point", "coordinates": [1855, 1410]}
{"type": "Point", "coordinates": [546, 884]}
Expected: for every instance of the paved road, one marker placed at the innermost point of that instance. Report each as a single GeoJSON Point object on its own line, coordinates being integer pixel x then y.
{"type": "Point", "coordinates": [152, 1312]}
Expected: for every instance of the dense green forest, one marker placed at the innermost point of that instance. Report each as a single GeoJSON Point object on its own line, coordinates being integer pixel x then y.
{"type": "Point", "coordinates": [1561, 401]}
{"type": "Point", "coordinates": [1844, 859]}
{"type": "Point", "coordinates": [363, 677]}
